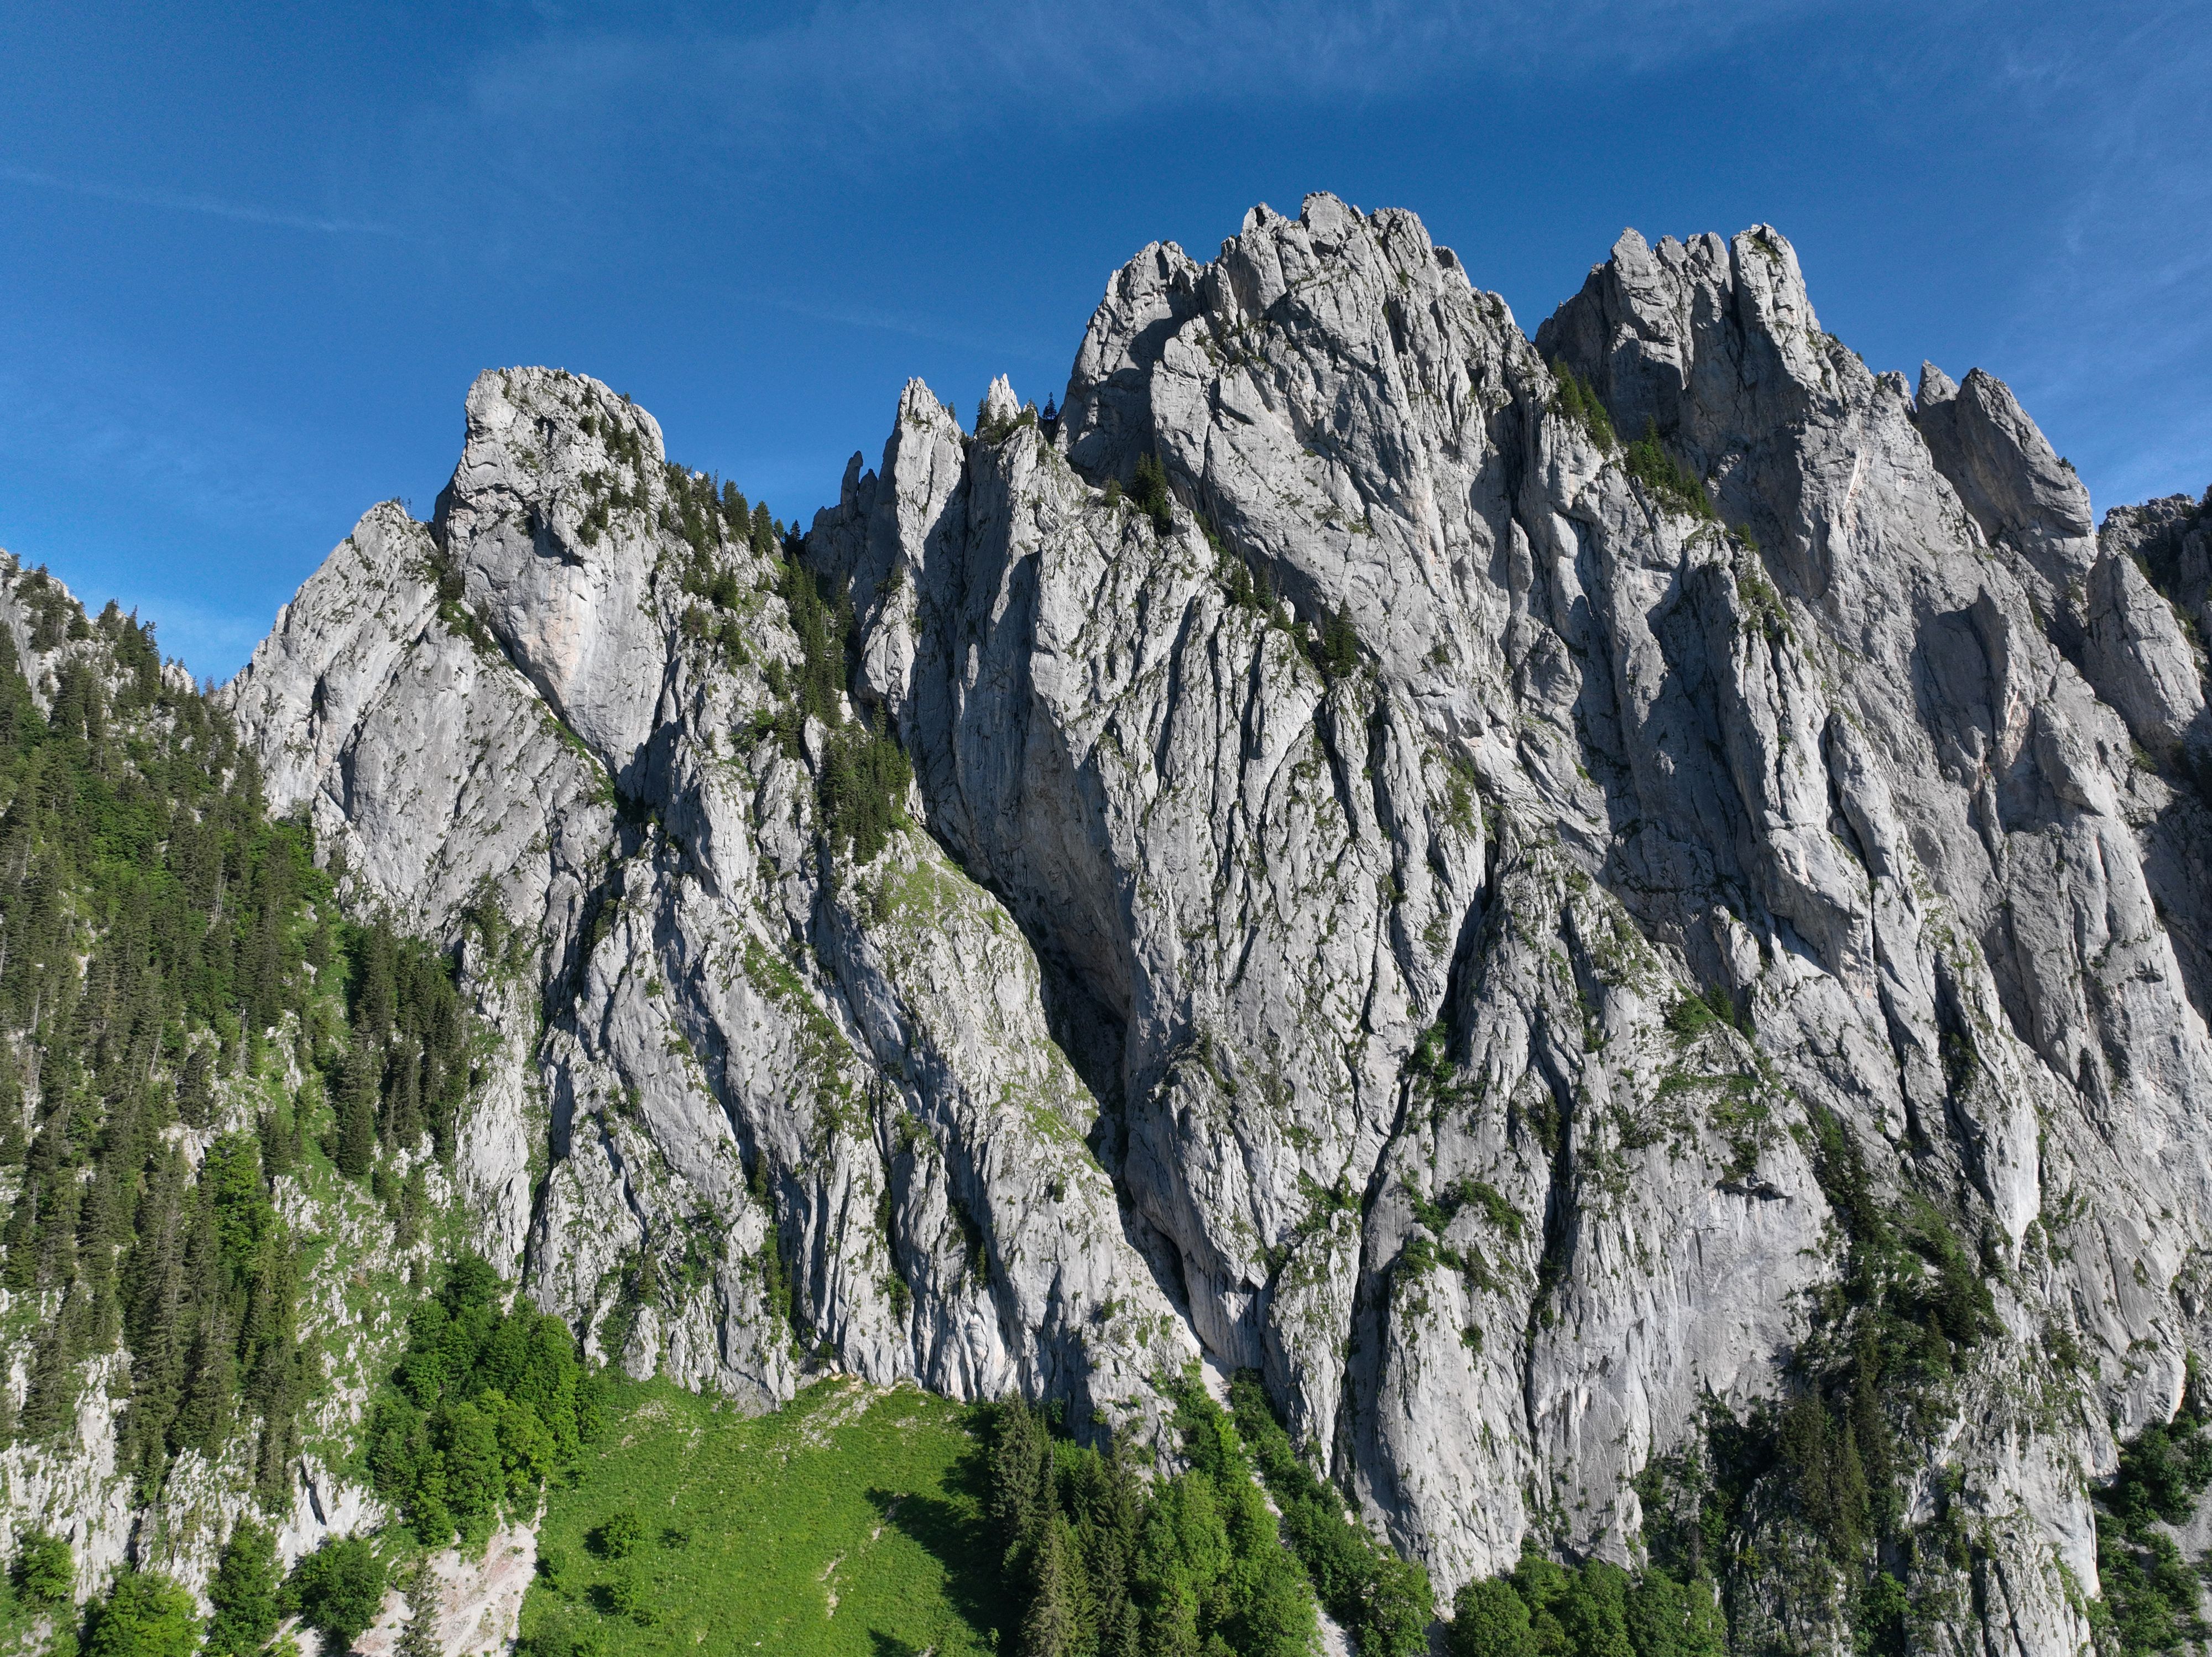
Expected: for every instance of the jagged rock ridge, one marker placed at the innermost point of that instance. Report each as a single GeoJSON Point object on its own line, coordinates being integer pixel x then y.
{"type": "Point", "coordinates": [1402, 896]}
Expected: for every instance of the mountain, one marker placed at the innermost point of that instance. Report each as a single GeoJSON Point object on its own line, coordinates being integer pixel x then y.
{"type": "Point", "coordinates": [1619, 916]}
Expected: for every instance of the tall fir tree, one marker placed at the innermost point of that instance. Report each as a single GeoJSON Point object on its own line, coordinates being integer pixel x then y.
{"type": "Point", "coordinates": [243, 1594]}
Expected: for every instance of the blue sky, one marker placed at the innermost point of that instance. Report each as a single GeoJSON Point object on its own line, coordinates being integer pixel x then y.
{"type": "Point", "coordinates": [250, 257]}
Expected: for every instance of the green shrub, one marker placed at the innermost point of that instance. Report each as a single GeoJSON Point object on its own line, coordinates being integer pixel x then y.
{"type": "Point", "coordinates": [562, 1637]}
{"type": "Point", "coordinates": [864, 777]}
{"type": "Point", "coordinates": [1820, 1457]}
{"type": "Point", "coordinates": [553, 1566]}
{"type": "Point", "coordinates": [1577, 400]}
{"type": "Point", "coordinates": [1490, 1619]}
{"type": "Point", "coordinates": [1672, 483]}
{"type": "Point", "coordinates": [1102, 1562]}
{"type": "Point", "coordinates": [1692, 1015]}
{"type": "Point", "coordinates": [2149, 1591]}
{"type": "Point", "coordinates": [1337, 651]}
{"type": "Point", "coordinates": [998, 430]}
{"type": "Point", "coordinates": [861, 790]}
{"type": "Point", "coordinates": [1544, 1609]}
{"type": "Point", "coordinates": [43, 1571]}
{"type": "Point", "coordinates": [243, 1593]}
{"type": "Point", "coordinates": [1883, 1605]}
{"type": "Point", "coordinates": [1148, 489]}
{"type": "Point", "coordinates": [485, 1402]}
{"type": "Point", "coordinates": [338, 1588]}
{"type": "Point", "coordinates": [145, 1614]}
{"type": "Point", "coordinates": [1245, 584]}
{"type": "Point", "coordinates": [1593, 1610]}
{"type": "Point", "coordinates": [820, 622]}
{"type": "Point", "coordinates": [629, 1594]}
{"type": "Point", "coordinates": [453, 611]}
{"type": "Point", "coordinates": [621, 1535]}
{"type": "Point", "coordinates": [1385, 1601]}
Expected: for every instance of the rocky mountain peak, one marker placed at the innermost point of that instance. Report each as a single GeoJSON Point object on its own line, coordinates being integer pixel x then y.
{"type": "Point", "coordinates": [2007, 473]}
{"type": "Point", "coordinates": [550, 522]}
{"type": "Point", "coordinates": [1572, 903]}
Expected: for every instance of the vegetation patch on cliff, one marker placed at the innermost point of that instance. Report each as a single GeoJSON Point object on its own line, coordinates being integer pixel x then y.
{"type": "Point", "coordinates": [1673, 485]}
{"type": "Point", "coordinates": [851, 1520]}
{"type": "Point", "coordinates": [1105, 1564]}
{"type": "Point", "coordinates": [1384, 1602]}
{"type": "Point", "coordinates": [2152, 1594]}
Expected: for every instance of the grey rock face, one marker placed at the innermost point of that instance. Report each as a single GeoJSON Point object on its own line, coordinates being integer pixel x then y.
{"type": "Point", "coordinates": [796, 1111]}
{"type": "Point", "coordinates": [2172, 538]}
{"type": "Point", "coordinates": [2019, 490]}
{"type": "Point", "coordinates": [1415, 905]}
{"type": "Point", "coordinates": [2147, 617]}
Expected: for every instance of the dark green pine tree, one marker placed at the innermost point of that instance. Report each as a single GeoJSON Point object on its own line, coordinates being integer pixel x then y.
{"type": "Point", "coordinates": [403, 1124]}
{"type": "Point", "coordinates": [243, 1592]}
{"type": "Point", "coordinates": [274, 1383]}
{"type": "Point", "coordinates": [356, 1150]}
{"type": "Point", "coordinates": [196, 1089]}
{"type": "Point", "coordinates": [1053, 1623]}
{"type": "Point", "coordinates": [49, 1405]}
{"type": "Point", "coordinates": [209, 1406]}
{"type": "Point", "coordinates": [206, 1403]}
{"type": "Point", "coordinates": [154, 1310]}
{"type": "Point", "coordinates": [1021, 1462]}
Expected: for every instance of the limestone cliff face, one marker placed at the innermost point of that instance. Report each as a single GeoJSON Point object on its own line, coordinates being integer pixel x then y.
{"type": "Point", "coordinates": [800, 1114]}
{"type": "Point", "coordinates": [1472, 919]}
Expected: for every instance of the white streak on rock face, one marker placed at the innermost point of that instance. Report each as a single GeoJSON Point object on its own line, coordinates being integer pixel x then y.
{"type": "Point", "coordinates": [1300, 963]}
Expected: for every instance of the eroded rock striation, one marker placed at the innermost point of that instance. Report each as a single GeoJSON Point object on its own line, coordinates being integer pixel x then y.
{"type": "Point", "coordinates": [1543, 894]}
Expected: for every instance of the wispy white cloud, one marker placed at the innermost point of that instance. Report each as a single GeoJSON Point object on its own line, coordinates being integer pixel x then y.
{"type": "Point", "coordinates": [184, 201]}
{"type": "Point", "coordinates": [185, 446]}
{"type": "Point", "coordinates": [2112, 317]}
{"type": "Point", "coordinates": [876, 319]}
{"type": "Point", "coordinates": [866, 81]}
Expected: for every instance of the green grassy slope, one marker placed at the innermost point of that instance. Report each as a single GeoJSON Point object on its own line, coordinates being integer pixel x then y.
{"type": "Point", "coordinates": [850, 1522]}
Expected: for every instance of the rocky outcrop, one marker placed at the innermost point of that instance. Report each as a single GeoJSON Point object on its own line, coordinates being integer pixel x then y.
{"type": "Point", "coordinates": [796, 1111]}
{"type": "Point", "coordinates": [1535, 946]}
{"type": "Point", "coordinates": [2021, 495]}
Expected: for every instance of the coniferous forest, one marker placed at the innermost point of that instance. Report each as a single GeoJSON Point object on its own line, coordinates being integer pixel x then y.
{"type": "Point", "coordinates": [155, 927]}
{"type": "Point", "coordinates": [186, 1019]}
{"type": "Point", "coordinates": [163, 944]}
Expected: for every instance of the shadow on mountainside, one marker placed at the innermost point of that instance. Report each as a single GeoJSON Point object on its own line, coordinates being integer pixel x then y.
{"type": "Point", "coordinates": [952, 1528]}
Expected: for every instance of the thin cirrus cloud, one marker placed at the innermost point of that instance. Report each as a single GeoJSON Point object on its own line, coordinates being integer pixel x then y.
{"type": "Point", "coordinates": [186, 201]}
{"type": "Point", "coordinates": [148, 437]}
{"type": "Point", "coordinates": [2112, 320]}
{"type": "Point", "coordinates": [862, 80]}
{"type": "Point", "coordinates": [172, 490]}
